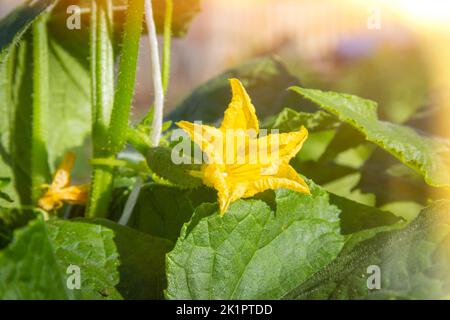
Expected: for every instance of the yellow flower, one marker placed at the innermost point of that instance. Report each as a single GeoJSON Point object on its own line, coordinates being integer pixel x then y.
{"type": "Point", "coordinates": [60, 190]}
{"type": "Point", "coordinates": [260, 164]}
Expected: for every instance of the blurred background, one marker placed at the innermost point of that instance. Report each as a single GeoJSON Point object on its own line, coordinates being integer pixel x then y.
{"type": "Point", "coordinates": [394, 52]}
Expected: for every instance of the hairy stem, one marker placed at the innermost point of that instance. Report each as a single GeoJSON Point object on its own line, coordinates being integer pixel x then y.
{"type": "Point", "coordinates": [102, 86]}
{"type": "Point", "coordinates": [40, 172]}
{"type": "Point", "coordinates": [102, 64]}
{"type": "Point", "coordinates": [127, 76]}
{"type": "Point", "coordinates": [160, 83]}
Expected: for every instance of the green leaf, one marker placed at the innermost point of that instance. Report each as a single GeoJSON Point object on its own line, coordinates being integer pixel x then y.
{"type": "Point", "coordinates": [12, 219]}
{"type": "Point", "coordinates": [161, 211]}
{"type": "Point", "coordinates": [13, 26]}
{"type": "Point", "coordinates": [429, 156]}
{"type": "Point", "coordinates": [266, 80]}
{"type": "Point", "coordinates": [68, 113]}
{"type": "Point", "coordinates": [413, 263]}
{"type": "Point", "coordinates": [159, 160]}
{"type": "Point", "coordinates": [34, 265]}
{"type": "Point", "coordinates": [383, 176]}
{"type": "Point", "coordinates": [346, 138]}
{"type": "Point", "coordinates": [254, 252]}
{"type": "Point", "coordinates": [20, 109]}
{"type": "Point", "coordinates": [356, 217]}
{"type": "Point", "coordinates": [327, 140]}
{"type": "Point", "coordinates": [290, 120]}
{"type": "Point", "coordinates": [390, 181]}
{"type": "Point", "coordinates": [70, 109]}
{"type": "Point", "coordinates": [29, 268]}
{"type": "Point", "coordinates": [142, 268]}
{"type": "Point", "coordinates": [91, 247]}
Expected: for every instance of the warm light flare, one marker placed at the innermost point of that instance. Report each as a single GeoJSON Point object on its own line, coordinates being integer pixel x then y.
{"type": "Point", "coordinates": [425, 12]}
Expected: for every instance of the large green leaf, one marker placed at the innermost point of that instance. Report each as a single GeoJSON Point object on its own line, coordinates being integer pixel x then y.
{"type": "Point", "coordinates": [90, 247]}
{"type": "Point", "coordinates": [259, 249]}
{"type": "Point", "coordinates": [68, 119]}
{"type": "Point", "coordinates": [430, 156]}
{"type": "Point", "coordinates": [34, 265]}
{"type": "Point", "coordinates": [390, 181]}
{"type": "Point", "coordinates": [29, 267]}
{"type": "Point", "coordinates": [413, 263]}
{"type": "Point", "coordinates": [70, 110]}
{"type": "Point", "coordinates": [266, 80]}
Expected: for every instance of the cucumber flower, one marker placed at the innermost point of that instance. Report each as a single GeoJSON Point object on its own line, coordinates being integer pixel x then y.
{"type": "Point", "coordinates": [60, 191]}
{"type": "Point", "coordinates": [259, 163]}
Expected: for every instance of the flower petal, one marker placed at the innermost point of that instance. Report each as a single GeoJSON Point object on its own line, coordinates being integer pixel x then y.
{"type": "Point", "coordinates": [213, 176]}
{"type": "Point", "coordinates": [257, 164]}
{"type": "Point", "coordinates": [208, 138]}
{"type": "Point", "coordinates": [47, 202]}
{"type": "Point", "coordinates": [240, 113]}
{"type": "Point", "coordinates": [61, 178]}
{"type": "Point", "coordinates": [283, 146]}
{"type": "Point", "coordinates": [74, 194]}
{"type": "Point", "coordinates": [286, 178]}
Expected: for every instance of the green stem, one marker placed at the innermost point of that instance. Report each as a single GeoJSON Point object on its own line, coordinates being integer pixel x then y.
{"type": "Point", "coordinates": [110, 126]}
{"type": "Point", "coordinates": [167, 44]}
{"type": "Point", "coordinates": [102, 64]}
{"type": "Point", "coordinates": [102, 86]}
{"type": "Point", "coordinates": [127, 76]}
{"type": "Point", "coordinates": [40, 172]}
{"type": "Point", "coordinates": [159, 79]}
{"type": "Point", "coordinates": [139, 140]}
